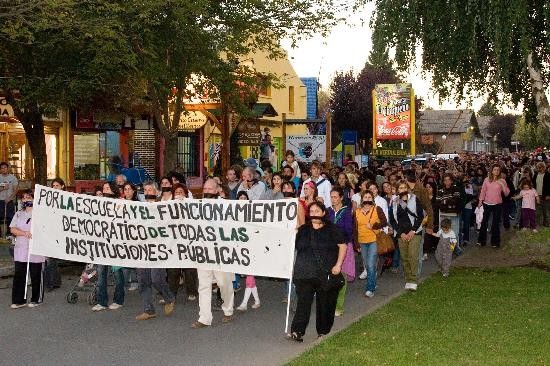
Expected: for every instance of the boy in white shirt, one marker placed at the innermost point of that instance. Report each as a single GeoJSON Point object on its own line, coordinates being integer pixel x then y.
{"type": "Point", "coordinates": [445, 247]}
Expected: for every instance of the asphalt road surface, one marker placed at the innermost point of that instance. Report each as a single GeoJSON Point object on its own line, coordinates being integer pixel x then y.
{"type": "Point", "coordinates": [59, 333]}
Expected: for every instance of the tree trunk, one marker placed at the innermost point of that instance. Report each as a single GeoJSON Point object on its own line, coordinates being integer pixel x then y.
{"type": "Point", "coordinates": [170, 154]}
{"type": "Point", "coordinates": [537, 86]}
{"type": "Point", "coordinates": [34, 130]}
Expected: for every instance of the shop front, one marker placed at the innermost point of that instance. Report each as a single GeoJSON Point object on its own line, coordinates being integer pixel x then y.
{"type": "Point", "coordinates": [15, 149]}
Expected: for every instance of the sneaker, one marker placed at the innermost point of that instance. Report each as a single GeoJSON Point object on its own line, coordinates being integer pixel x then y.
{"type": "Point", "coordinates": [115, 306]}
{"type": "Point", "coordinates": [134, 286]}
{"type": "Point", "coordinates": [169, 308]}
{"type": "Point", "coordinates": [338, 313]}
{"type": "Point", "coordinates": [479, 244]}
{"type": "Point", "coordinates": [99, 308]}
{"type": "Point", "coordinates": [227, 318]}
{"type": "Point", "coordinates": [146, 316]}
{"type": "Point", "coordinates": [363, 275]}
{"type": "Point", "coordinates": [413, 286]}
{"type": "Point", "coordinates": [17, 306]}
{"type": "Point", "coordinates": [242, 307]}
{"type": "Point", "coordinates": [34, 304]}
{"type": "Point", "coordinates": [256, 305]}
{"type": "Point", "coordinates": [191, 298]}
{"type": "Point", "coordinates": [425, 257]}
{"type": "Point", "coordinates": [408, 286]}
{"type": "Point", "coordinates": [369, 294]}
{"type": "Point", "coordinates": [162, 302]}
{"type": "Point", "coordinates": [535, 231]}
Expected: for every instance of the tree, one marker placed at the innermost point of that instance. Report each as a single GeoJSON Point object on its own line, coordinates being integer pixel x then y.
{"type": "Point", "coordinates": [112, 55]}
{"type": "Point", "coordinates": [530, 135]}
{"type": "Point", "coordinates": [488, 109]}
{"type": "Point", "coordinates": [59, 55]}
{"type": "Point", "coordinates": [502, 127]}
{"type": "Point", "coordinates": [492, 47]}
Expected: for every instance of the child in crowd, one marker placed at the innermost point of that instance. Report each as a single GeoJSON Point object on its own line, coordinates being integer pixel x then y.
{"type": "Point", "coordinates": [529, 199]}
{"type": "Point", "coordinates": [251, 288]}
{"type": "Point", "coordinates": [446, 246]}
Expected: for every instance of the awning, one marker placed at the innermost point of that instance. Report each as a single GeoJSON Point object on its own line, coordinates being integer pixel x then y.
{"type": "Point", "coordinates": [264, 110]}
{"type": "Point", "coordinates": [303, 121]}
{"type": "Point", "coordinates": [258, 110]}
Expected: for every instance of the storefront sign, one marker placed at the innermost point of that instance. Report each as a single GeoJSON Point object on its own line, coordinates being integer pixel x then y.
{"type": "Point", "coordinates": [389, 152]}
{"type": "Point", "coordinates": [308, 148]}
{"type": "Point", "coordinates": [392, 111]}
{"type": "Point", "coordinates": [5, 108]}
{"type": "Point", "coordinates": [248, 132]}
{"type": "Point", "coordinates": [247, 237]}
{"type": "Point", "coordinates": [191, 121]}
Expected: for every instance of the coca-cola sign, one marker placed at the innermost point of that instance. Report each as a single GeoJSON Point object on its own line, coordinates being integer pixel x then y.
{"type": "Point", "coordinates": [392, 109]}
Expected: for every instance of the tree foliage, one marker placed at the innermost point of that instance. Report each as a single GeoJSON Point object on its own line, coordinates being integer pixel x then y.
{"type": "Point", "coordinates": [531, 135]}
{"type": "Point", "coordinates": [488, 109]}
{"type": "Point", "coordinates": [114, 55]}
{"type": "Point", "coordinates": [502, 127]}
{"type": "Point", "coordinates": [491, 47]}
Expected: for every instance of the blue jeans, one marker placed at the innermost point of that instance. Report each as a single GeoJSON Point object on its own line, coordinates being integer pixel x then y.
{"type": "Point", "coordinates": [396, 256]}
{"type": "Point", "coordinates": [102, 296]}
{"type": "Point", "coordinates": [153, 277]}
{"type": "Point", "coordinates": [466, 223]}
{"type": "Point", "coordinates": [370, 255]}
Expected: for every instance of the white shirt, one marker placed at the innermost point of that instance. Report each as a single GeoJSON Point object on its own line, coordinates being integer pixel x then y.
{"type": "Point", "coordinates": [9, 184]}
{"type": "Point", "coordinates": [323, 190]}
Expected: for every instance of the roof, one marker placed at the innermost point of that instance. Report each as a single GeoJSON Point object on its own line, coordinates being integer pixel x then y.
{"type": "Point", "coordinates": [443, 121]}
{"type": "Point", "coordinates": [483, 123]}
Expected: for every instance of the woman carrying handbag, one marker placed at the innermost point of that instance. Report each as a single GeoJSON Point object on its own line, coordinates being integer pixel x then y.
{"type": "Point", "coordinates": [369, 219]}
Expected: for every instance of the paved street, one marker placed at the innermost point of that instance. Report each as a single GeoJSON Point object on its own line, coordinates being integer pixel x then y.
{"type": "Point", "coordinates": [58, 333]}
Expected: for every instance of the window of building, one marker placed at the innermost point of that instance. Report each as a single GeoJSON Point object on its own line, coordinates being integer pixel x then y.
{"type": "Point", "coordinates": [97, 155]}
{"type": "Point", "coordinates": [265, 91]}
{"type": "Point", "coordinates": [187, 160]}
{"type": "Point", "coordinates": [291, 99]}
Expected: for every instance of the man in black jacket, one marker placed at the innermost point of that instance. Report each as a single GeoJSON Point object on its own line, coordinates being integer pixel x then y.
{"type": "Point", "coordinates": [541, 182]}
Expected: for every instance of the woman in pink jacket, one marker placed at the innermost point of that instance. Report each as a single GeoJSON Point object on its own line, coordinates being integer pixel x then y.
{"type": "Point", "coordinates": [492, 191]}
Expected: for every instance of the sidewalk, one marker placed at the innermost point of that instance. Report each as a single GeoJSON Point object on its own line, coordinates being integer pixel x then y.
{"type": "Point", "coordinates": [6, 262]}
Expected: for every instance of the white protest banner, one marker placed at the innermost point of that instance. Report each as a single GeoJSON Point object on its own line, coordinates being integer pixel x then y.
{"type": "Point", "coordinates": [308, 148]}
{"type": "Point", "coordinates": [247, 237]}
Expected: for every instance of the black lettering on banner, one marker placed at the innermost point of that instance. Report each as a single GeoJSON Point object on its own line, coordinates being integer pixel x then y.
{"type": "Point", "coordinates": [163, 253]}
{"type": "Point", "coordinates": [246, 258]}
{"type": "Point", "coordinates": [291, 211]}
{"type": "Point", "coordinates": [161, 209]}
{"type": "Point", "coordinates": [199, 254]}
{"type": "Point", "coordinates": [223, 252]}
{"type": "Point", "coordinates": [119, 251]}
{"type": "Point", "coordinates": [211, 232]}
{"type": "Point", "coordinates": [257, 212]}
{"type": "Point", "coordinates": [151, 252]}
{"type": "Point", "coordinates": [182, 250]}
{"type": "Point", "coordinates": [152, 232]}
{"type": "Point", "coordinates": [243, 236]}
{"type": "Point", "coordinates": [268, 213]}
{"type": "Point", "coordinates": [42, 195]}
{"type": "Point", "coordinates": [235, 256]}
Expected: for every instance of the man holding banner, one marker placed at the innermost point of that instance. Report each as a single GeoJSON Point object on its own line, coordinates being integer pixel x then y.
{"type": "Point", "coordinates": [224, 280]}
{"type": "Point", "coordinates": [153, 277]}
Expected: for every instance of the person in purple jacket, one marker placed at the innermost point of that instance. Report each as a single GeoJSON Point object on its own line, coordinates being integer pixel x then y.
{"type": "Point", "coordinates": [341, 216]}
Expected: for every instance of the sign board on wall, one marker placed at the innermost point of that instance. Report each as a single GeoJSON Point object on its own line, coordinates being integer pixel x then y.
{"type": "Point", "coordinates": [5, 108]}
{"type": "Point", "coordinates": [191, 121]}
{"type": "Point", "coordinates": [308, 148]}
{"type": "Point", "coordinates": [389, 152]}
{"type": "Point", "coordinates": [392, 111]}
{"type": "Point", "coordinates": [248, 132]}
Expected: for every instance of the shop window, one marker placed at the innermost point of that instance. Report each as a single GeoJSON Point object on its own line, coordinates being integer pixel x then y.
{"type": "Point", "coordinates": [291, 99]}
{"type": "Point", "coordinates": [97, 155]}
{"type": "Point", "coordinates": [187, 160]}
{"type": "Point", "coordinates": [86, 156]}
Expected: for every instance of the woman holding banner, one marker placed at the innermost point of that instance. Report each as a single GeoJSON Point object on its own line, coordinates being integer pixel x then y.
{"type": "Point", "coordinates": [21, 227]}
{"type": "Point", "coordinates": [129, 193]}
{"type": "Point", "coordinates": [52, 277]}
{"type": "Point", "coordinates": [110, 190]}
{"type": "Point", "coordinates": [321, 248]}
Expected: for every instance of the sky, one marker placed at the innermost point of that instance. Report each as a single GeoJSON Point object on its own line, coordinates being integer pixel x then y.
{"type": "Point", "coordinates": [348, 47]}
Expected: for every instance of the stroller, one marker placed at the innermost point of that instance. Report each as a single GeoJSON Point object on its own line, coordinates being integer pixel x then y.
{"type": "Point", "coordinates": [86, 283]}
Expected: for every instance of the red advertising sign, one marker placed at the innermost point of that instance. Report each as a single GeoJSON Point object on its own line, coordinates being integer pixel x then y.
{"type": "Point", "coordinates": [393, 113]}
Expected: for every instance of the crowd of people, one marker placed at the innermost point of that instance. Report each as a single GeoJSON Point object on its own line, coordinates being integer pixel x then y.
{"type": "Point", "coordinates": [434, 208]}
